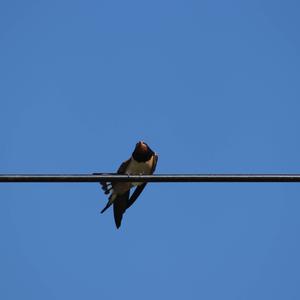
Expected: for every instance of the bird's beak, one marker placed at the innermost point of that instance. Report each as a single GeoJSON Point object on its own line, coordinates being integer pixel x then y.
{"type": "Point", "coordinates": [141, 146]}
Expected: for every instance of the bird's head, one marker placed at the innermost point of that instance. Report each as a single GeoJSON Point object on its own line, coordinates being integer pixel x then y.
{"type": "Point", "coordinates": [142, 152]}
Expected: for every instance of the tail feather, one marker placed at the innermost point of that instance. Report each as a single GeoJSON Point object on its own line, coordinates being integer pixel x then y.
{"type": "Point", "coordinates": [108, 204]}
{"type": "Point", "coordinates": [106, 187]}
{"type": "Point", "coordinates": [120, 205]}
{"type": "Point", "coordinates": [110, 201]}
{"type": "Point", "coordinates": [120, 202]}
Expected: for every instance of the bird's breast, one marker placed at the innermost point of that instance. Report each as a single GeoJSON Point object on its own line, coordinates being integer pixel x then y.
{"type": "Point", "coordinates": [139, 168]}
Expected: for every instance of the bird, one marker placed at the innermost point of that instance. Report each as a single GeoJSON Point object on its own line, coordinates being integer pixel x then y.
{"type": "Point", "coordinates": [143, 161]}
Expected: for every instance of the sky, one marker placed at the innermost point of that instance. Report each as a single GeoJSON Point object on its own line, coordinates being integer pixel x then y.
{"type": "Point", "coordinates": [211, 86]}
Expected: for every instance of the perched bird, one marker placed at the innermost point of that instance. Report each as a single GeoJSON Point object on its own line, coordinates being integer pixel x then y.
{"type": "Point", "coordinates": [142, 162]}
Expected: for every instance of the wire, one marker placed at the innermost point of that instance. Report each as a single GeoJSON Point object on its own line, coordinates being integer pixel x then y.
{"type": "Point", "coordinates": [111, 177]}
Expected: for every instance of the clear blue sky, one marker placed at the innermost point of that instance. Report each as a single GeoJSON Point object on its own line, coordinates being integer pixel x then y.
{"type": "Point", "coordinates": [212, 86]}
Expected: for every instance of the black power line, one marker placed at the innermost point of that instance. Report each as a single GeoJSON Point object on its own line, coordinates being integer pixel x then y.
{"type": "Point", "coordinates": [111, 177]}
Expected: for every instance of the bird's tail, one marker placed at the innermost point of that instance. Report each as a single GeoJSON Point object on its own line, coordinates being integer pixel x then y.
{"type": "Point", "coordinates": [120, 204]}
{"type": "Point", "coordinates": [106, 186]}
{"type": "Point", "coordinates": [110, 201]}
{"type": "Point", "coordinates": [108, 204]}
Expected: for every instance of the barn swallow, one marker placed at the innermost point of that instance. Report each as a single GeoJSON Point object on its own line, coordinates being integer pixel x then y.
{"type": "Point", "coordinates": [142, 162]}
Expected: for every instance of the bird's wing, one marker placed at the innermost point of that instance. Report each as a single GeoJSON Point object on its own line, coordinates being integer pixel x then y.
{"type": "Point", "coordinates": [154, 163]}
{"type": "Point", "coordinates": [141, 187]}
{"type": "Point", "coordinates": [120, 204]}
{"type": "Point", "coordinates": [123, 167]}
